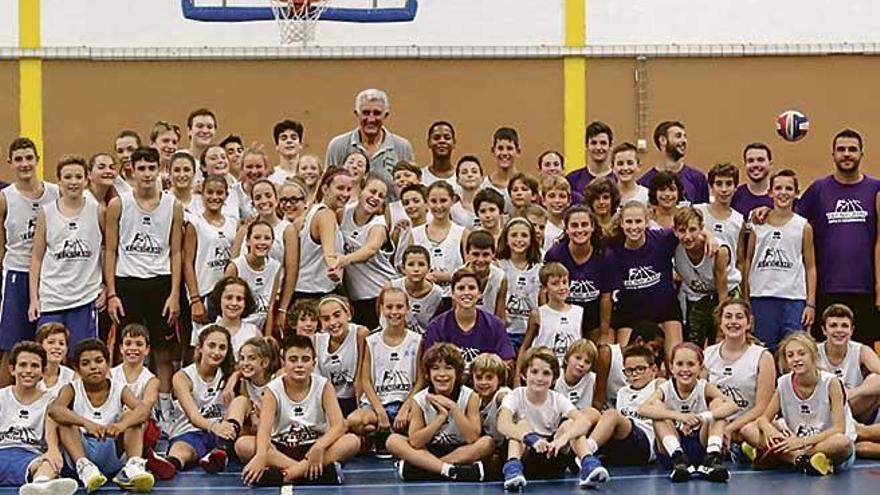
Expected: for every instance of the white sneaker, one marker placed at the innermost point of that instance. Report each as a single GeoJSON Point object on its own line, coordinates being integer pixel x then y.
{"type": "Point", "coordinates": [60, 486]}
{"type": "Point", "coordinates": [91, 477]}
{"type": "Point", "coordinates": [134, 476]}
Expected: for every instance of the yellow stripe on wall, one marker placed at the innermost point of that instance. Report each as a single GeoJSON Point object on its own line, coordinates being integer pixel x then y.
{"type": "Point", "coordinates": [30, 77]}
{"type": "Point", "coordinates": [575, 81]}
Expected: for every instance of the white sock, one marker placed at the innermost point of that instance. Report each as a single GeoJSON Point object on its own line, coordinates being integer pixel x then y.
{"type": "Point", "coordinates": [671, 444]}
{"type": "Point", "coordinates": [592, 446]}
{"type": "Point", "coordinates": [714, 444]}
{"type": "Point", "coordinates": [446, 469]}
{"type": "Point", "coordinates": [41, 478]}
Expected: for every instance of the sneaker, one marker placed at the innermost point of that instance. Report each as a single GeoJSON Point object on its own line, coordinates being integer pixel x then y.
{"type": "Point", "coordinates": [214, 461]}
{"type": "Point", "coordinates": [750, 452]}
{"type": "Point", "coordinates": [816, 465]}
{"type": "Point", "coordinates": [59, 486]}
{"type": "Point", "coordinates": [514, 479]}
{"type": "Point", "coordinates": [407, 472]}
{"type": "Point", "coordinates": [332, 475]}
{"type": "Point", "coordinates": [593, 473]}
{"type": "Point", "coordinates": [713, 469]}
{"type": "Point", "coordinates": [467, 472]}
{"type": "Point", "coordinates": [91, 477]}
{"type": "Point", "coordinates": [160, 466]}
{"type": "Point", "coordinates": [134, 476]}
{"type": "Point", "coordinates": [681, 467]}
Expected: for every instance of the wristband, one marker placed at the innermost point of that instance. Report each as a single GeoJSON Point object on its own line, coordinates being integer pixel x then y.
{"type": "Point", "coordinates": [706, 416]}
{"type": "Point", "coordinates": [112, 297]}
{"type": "Point", "coordinates": [813, 306]}
{"type": "Point", "coordinates": [281, 310]}
{"type": "Point", "coordinates": [530, 439]}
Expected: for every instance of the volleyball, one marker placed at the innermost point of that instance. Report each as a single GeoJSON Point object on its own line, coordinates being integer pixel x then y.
{"type": "Point", "coordinates": [792, 125]}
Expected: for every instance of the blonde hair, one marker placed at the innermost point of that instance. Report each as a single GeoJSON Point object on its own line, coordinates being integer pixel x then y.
{"type": "Point", "coordinates": [489, 362]}
{"type": "Point", "coordinates": [583, 346]}
{"type": "Point", "coordinates": [554, 183]}
{"type": "Point", "coordinates": [333, 298]}
{"type": "Point", "coordinates": [684, 216]}
{"type": "Point", "coordinates": [802, 338]}
{"type": "Point", "coordinates": [551, 270]}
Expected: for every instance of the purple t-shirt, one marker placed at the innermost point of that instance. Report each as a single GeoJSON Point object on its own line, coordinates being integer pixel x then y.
{"type": "Point", "coordinates": [587, 280]}
{"type": "Point", "coordinates": [744, 201]}
{"type": "Point", "coordinates": [579, 180]}
{"type": "Point", "coordinates": [488, 335]}
{"type": "Point", "coordinates": [643, 276]}
{"type": "Point", "coordinates": [696, 186]}
{"type": "Point", "coordinates": [844, 221]}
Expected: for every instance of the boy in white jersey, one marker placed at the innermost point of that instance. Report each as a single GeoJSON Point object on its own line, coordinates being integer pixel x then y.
{"type": "Point", "coordinates": [610, 362]}
{"type": "Point", "coordinates": [29, 453]}
{"type": "Point", "coordinates": [288, 136]}
{"type": "Point", "coordinates": [19, 205]}
{"type": "Point", "coordinates": [53, 337]}
{"type": "Point", "coordinates": [627, 167]}
{"type": "Point", "coordinates": [404, 174]}
{"type": "Point", "coordinates": [301, 436]}
{"type": "Point", "coordinates": [489, 373]}
{"type": "Point", "coordinates": [423, 295]}
{"type": "Point", "coordinates": [92, 412]}
{"type": "Point", "coordinates": [479, 255]}
{"type": "Point", "coordinates": [577, 381]}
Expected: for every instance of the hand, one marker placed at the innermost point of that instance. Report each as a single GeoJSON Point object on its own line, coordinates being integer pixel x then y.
{"type": "Point", "coordinates": [556, 445]}
{"type": "Point", "coordinates": [198, 312]}
{"type": "Point", "coordinates": [224, 430]}
{"type": "Point", "coordinates": [228, 393]}
{"type": "Point", "coordinates": [431, 277]}
{"type": "Point", "coordinates": [401, 421]}
{"type": "Point", "coordinates": [442, 411]}
{"type": "Point", "coordinates": [115, 309]}
{"type": "Point", "coordinates": [280, 321]}
{"type": "Point", "coordinates": [791, 444]}
{"type": "Point", "coordinates": [315, 457]}
{"type": "Point", "coordinates": [442, 401]}
{"type": "Point", "coordinates": [334, 261]}
{"type": "Point", "coordinates": [692, 420]}
{"type": "Point", "coordinates": [542, 446]}
{"type": "Point", "coordinates": [712, 247]}
{"type": "Point", "coordinates": [334, 274]}
{"type": "Point", "coordinates": [758, 216]}
{"type": "Point", "coordinates": [53, 457]}
{"type": "Point", "coordinates": [400, 226]}
{"type": "Point", "coordinates": [113, 430]}
{"type": "Point", "coordinates": [94, 429]}
{"type": "Point", "coordinates": [253, 470]}
{"type": "Point", "coordinates": [34, 311]}
{"type": "Point", "coordinates": [808, 317]}
{"type": "Point", "coordinates": [773, 439]}
{"type": "Point", "coordinates": [171, 310]}
{"type": "Point", "coordinates": [101, 301]}
{"type": "Point", "coordinates": [384, 423]}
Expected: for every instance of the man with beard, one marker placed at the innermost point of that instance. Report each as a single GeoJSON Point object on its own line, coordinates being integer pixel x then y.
{"type": "Point", "coordinates": [671, 139]}
{"type": "Point", "coordinates": [599, 137]}
{"type": "Point", "coordinates": [441, 142]}
{"type": "Point", "coordinates": [758, 161]}
{"type": "Point", "coordinates": [844, 210]}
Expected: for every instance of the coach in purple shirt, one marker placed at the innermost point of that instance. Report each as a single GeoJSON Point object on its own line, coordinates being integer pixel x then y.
{"type": "Point", "coordinates": [671, 139]}
{"type": "Point", "coordinates": [753, 192]}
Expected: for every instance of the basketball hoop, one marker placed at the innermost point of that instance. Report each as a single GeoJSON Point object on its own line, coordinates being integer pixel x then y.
{"type": "Point", "coordinates": [297, 19]}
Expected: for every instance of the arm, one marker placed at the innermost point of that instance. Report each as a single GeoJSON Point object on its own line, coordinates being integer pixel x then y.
{"type": "Point", "coordinates": [876, 255]}
{"type": "Point", "coordinates": [291, 272]}
{"type": "Point", "coordinates": [468, 421]}
{"type": "Point", "coordinates": [375, 240]}
{"type": "Point", "coordinates": [183, 392]}
{"type": "Point", "coordinates": [61, 413]}
{"type": "Point", "coordinates": [39, 250]}
{"type": "Point", "coordinates": [838, 416]}
{"type": "Point", "coordinates": [137, 414]}
{"type": "Point", "coordinates": [578, 426]}
{"type": "Point", "coordinates": [531, 331]}
{"type": "Point", "coordinates": [766, 385]}
{"type": "Point", "coordinates": [253, 470]}
{"type": "Point", "coordinates": [172, 305]}
{"type": "Point", "coordinates": [325, 223]}
{"type": "Point", "coordinates": [111, 244]}
{"type": "Point", "coordinates": [720, 405]}
{"type": "Point", "coordinates": [420, 433]}
{"type": "Point", "coordinates": [238, 242]}
{"type": "Point", "coordinates": [722, 262]}
{"type": "Point", "coordinates": [151, 393]}
{"type": "Point", "coordinates": [2, 230]}
{"type": "Point", "coordinates": [747, 265]}
{"type": "Point", "coordinates": [335, 420]}
{"type": "Point", "coordinates": [868, 360]}
{"type": "Point", "coordinates": [511, 430]}
{"type": "Point", "coordinates": [190, 248]}
{"type": "Point", "coordinates": [500, 302]}
{"type": "Point", "coordinates": [274, 307]}
{"type": "Point", "coordinates": [362, 333]}
{"type": "Point", "coordinates": [606, 305]}
{"type": "Point", "coordinates": [810, 269]}
{"type": "Point", "coordinates": [653, 408]}
{"type": "Point", "coordinates": [369, 388]}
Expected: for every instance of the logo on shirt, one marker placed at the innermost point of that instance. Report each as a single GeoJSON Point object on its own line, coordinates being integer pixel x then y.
{"type": "Point", "coordinates": [733, 393]}
{"type": "Point", "coordinates": [718, 228]}
{"type": "Point", "coordinates": [74, 249]}
{"type": "Point", "coordinates": [221, 257]}
{"type": "Point", "coordinates": [582, 291]}
{"type": "Point", "coordinates": [775, 259]}
{"type": "Point", "coordinates": [641, 277]}
{"type": "Point", "coordinates": [806, 410]}
{"type": "Point", "coordinates": [394, 381]}
{"type": "Point", "coordinates": [298, 434]}
{"type": "Point", "coordinates": [561, 342]}
{"type": "Point", "coordinates": [847, 211]}
{"type": "Point", "coordinates": [518, 306]}
{"type": "Point", "coordinates": [28, 234]}
{"type": "Point", "coordinates": [700, 287]}
{"type": "Point", "coordinates": [143, 243]}
{"type": "Point", "coordinates": [19, 434]}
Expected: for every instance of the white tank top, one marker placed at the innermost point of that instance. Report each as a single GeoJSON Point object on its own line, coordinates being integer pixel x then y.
{"type": "Point", "coordinates": [312, 267]}
{"type": "Point", "coordinates": [726, 230]}
{"type": "Point", "coordinates": [20, 224]}
{"type": "Point", "coordinates": [65, 376]}
{"type": "Point", "coordinates": [778, 262]}
{"type": "Point", "coordinates": [850, 369]}
{"type": "Point", "coordinates": [558, 330]}
{"type": "Point", "coordinates": [139, 385]}
{"type": "Point", "coordinates": [396, 212]}
{"type": "Point", "coordinates": [144, 249]}
{"type": "Point", "coordinates": [523, 287]}
{"type": "Point", "coordinates": [298, 422]}
{"type": "Point", "coordinates": [104, 414]}
{"type": "Point", "coordinates": [463, 217]}
{"type": "Point", "coordinates": [445, 255]}
{"type": "Point", "coordinates": [421, 309]}
{"type": "Point", "coordinates": [394, 368]}
{"type": "Point", "coordinates": [213, 248]}
{"type": "Point", "coordinates": [616, 378]}
{"type": "Point", "coordinates": [339, 367]}
{"type": "Point", "coordinates": [628, 401]}
{"type": "Point", "coordinates": [489, 299]}
{"type": "Point", "coordinates": [447, 435]}
{"type": "Point", "coordinates": [261, 283]}
{"type": "Point", "coordinates": [230, 209]}
{"type": "Point", "coordinates": [698, 281]}
{"type": "Point", "coordinates": [365, 280]}
{"type": "Point", "coordinates": [738, 379]}
{"type": "Point", "coordinates": [22, 425]}
{"type": "Point", "coordinates": [489, 416]}
{"type": "Point", "coordinates": [208, 397]}
{"type": "Point", "coordinates": [552, 233]}
{"type": "Point", "coordinates": [581, 393]}
{"type": "Point", "coordinates": [694, 403]}
{"type": "Point", "coordinates": [246, 208]}
{"type": "Point", "coordinates": [805, 418]}
{"type": "Point", "coordinates": [245, 332]}
{"type": "Point", "coordinates": [71, 273]}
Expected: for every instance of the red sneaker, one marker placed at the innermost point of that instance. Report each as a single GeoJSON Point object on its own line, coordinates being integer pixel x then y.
{"type": "Point", "coordinates": [160, 466]}
{"type": "Point", "coordinates": [214, 461]}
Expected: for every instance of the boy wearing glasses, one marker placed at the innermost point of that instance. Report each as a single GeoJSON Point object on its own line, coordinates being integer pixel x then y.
{"type": "Point", "coordinates": [623, 436]}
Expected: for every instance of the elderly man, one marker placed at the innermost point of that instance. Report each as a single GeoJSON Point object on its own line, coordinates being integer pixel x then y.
{"type": "Point", "coordinates": [384, 148]}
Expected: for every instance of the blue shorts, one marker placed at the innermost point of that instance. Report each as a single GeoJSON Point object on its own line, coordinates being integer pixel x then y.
{"type": "Point", "coordinates": [775, 318]}
{"type": "Point", "coordinates": [14, 310]}
{"type": "Point", "coordinates": [14, 465]}
{"type": "Point", "coordinates": [102, 453]}
{"type": "Point", "coordinates": [692, 446]}
{"type": "Point", "coordinates": [81, 321]}
{"type": "Point", "coordinates": [634, 450]}
{"type": "Point", "coordinates": [200, 441]}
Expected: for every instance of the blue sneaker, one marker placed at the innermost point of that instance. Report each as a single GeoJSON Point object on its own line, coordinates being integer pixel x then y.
{"type": "Point", "coordinates": [593, 473]}
{"type": "Point", "coordinates": [514, 479]}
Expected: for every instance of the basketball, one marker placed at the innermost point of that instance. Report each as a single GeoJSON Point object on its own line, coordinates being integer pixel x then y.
{"type": "Point", "coordinates": [792, 125]}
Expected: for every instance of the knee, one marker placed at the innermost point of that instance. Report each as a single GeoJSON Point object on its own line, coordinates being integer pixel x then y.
{"type": "Point", "coordinates": [244, 447]}
{"type": "Point", "coordinates": [396, 443]}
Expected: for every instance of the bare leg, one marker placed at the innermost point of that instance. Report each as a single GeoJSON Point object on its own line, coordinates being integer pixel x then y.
{"type": "Point", "coordinates": [246, 448]}
{"type": "Point", "coordinates": [71, 440]}
{"type": "Point", "coordinates": [399, 446]}
{"type": "Point", "coordinates": [672, 336]}
{"type": "Point", "coordinates": [164, 368]}
{"type": "Point", "coordinates": [362, 421]}
{"type": "Point", "coordinates": [344, 448]}
{"type": "Point", "coordinates": [611, 424]}
{"type": "Point", "coordinates": [133, 440]}
{"type": "Point", "coordinates": [664, 429]}
{"type": "Point", "coordinates": [471, 452]}
{"type": "Point", "coordinates": [515, 449]}
{"type": "Point", "coordinates": [868, 450]}
{"type": "Point", "coordinates": [837, 447]}
{"type": "Point", "coordinates": [623, 334]}
{"type": "Point", "coordinates": [183, 452]}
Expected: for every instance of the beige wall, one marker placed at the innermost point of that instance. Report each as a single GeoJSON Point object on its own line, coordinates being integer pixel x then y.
{"type": "Point", "coordinates": [8, 112]}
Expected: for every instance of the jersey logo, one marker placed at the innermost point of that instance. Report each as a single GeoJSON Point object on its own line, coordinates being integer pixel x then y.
{"type": "Point", "coordinates": [582, 291]}
{"type": "Point", "coordinates": [394, 357]}
{"type": "Point", "coordinates": [847, 211]}
{"type": "Point", "coordinates": [221, 257]}
{"type": "Point", "coordinates": [143, 243]}
{"type": "Point", "coordinates": [74, 249]}
{"type": "Point", "coordinates": [19, 434]}
{"type": "Point", "coordinates": [394, 381]}
{"type": "Point", "coordinates": [641, 277]}
{"type": "Point", "coordinates": [700, 287]}
{"type": "Point", "coordinates": [298, 434]}
{"type": "Point", "coordinates": [734, 394]}
{"type": "Point", "coordinates": [518, 306]}
{"type": "Point", "coordinates": [561, 341]}
{"type": "Point", "coordinates": [806, 410]}
{"type": "Point", "coordinates": [24, 414]}
{"type": "Point", "coordinates": [775, 258]}
{"type": "Point", "coordinates": [72, 226]}
{"type": "Point", "coordinates": [28, 234]}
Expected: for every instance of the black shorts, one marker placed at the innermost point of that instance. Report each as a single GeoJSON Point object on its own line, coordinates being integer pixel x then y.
{"type": "Point", "coordinates": [627, 315]}
{"type": "Point", "coordinates": [538, 466]}
{"type": "Point", "coordinates": [365, 313]}
{"type": "Point", "coordinates": [297, 453]}
{"type": "Point", "coordinates": [592, 318]}
{"type": "Point", "coordinates": [862, 305]}
{"type": "Point", "coordinates": [143, 300]}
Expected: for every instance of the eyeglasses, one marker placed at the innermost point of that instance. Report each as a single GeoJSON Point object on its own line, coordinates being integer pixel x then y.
{"type": "Point", "coordinates": [292, 199]}
{"type": "Point", "coordinates": [635, 370]}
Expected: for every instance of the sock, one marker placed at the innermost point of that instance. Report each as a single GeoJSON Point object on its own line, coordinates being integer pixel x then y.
{"type": "Point", "coordinates": [41, 478]}
{"type": "Point", "coordinates": [446, 470]}
{"type": "Point", "coordinates": [592, 446]}
{"type": "Point", "coordinates": [177, 464]}
{"type": "Point", "coordinates": [671, 444]}
{"type": "Point", "coordinates": [165, 404]}
{"type": "Point", "coordinates": [714, 444]}
{"type": "Point", "coordinates": [235, 424]}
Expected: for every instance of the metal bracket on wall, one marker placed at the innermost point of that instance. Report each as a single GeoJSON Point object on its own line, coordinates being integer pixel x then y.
{"type": "Point", "coordinates": [641, 99]}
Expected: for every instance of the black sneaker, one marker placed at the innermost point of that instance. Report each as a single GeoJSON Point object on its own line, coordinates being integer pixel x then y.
{"type": "Point", "coordinates": [816, 465]}
{"type": "Point", "coordinates": [713, 468]}
{"type": "Point", "coordinates": [467, 472]}
{"type": "Point", "coordinates": [407, 472]}
{"type": "Point", "coordinates": [681, 467]}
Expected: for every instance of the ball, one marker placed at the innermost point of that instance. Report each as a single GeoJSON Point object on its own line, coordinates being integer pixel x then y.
{"type": "Point", "coordinates": [792, 125]}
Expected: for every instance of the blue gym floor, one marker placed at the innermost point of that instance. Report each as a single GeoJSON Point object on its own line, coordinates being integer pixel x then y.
{"type": "Point", "coordinates": [368, 476]}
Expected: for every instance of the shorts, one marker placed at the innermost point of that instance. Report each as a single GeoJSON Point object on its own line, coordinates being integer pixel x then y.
{"type": "Point", "coordinates": [81, 321]}
{"type": "Point", "coordinates": [775, 318]}
{"type": "Point", "coordinates": [634, 450]}
{"type": "Point", "coordinates": [391, 409]}
{"type": "Point", "coordinates": [103, 453]}
{"type": "Point", "coordinates": [200, 441]}
{"type": "Point", "coordinates": [626, 315]}
{"type": "Point", "coordinates": [516, 340]}
{"type": "Point", "coordinates": [700, 327]}
{"type": "Point", "coordinates": [347, 405]}
{"type": "Point", "coordinates": [143, 300]}
{"type": "Point", "coordinates": [867, 318]}
{"type": "Point", "coordinates": [591, 319]}
{"type": "Point", "coordinates": [297, 453]}
{"type": "Point", "coordinates": [538, 466]}
{"type": "Point", "coordinates": [16, 300]}
{"type": "Point", "coordinates": [15, 462]}
{"type": "Point", "coordinates": [692, 447]}
{"type": "Point", "coordinates": [441, 450]}
{"type": "Point", "coordinates": [365, 313]}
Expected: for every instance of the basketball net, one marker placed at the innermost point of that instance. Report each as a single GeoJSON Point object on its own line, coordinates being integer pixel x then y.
{"type": "Point", "coordinates": [297, 20]}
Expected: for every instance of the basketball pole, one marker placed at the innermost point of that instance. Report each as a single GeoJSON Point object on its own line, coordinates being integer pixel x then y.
{"type": "Point", "coordinates": [30, 78]}
{"type": "Point", "coordinates": [575, 85]}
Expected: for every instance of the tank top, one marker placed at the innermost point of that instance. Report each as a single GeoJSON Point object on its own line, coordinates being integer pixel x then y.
{"type": "Point", "coordinates": [298, 422]}
{"type": "Point", "coordinates": [810, 416]}
{"type": "Point", "coordinates": [394, 369]}
{"type": "Point", "coordinates": [489, 416]}
{"type": "Point", "coordinates": [616, 379]}
{"type": "Point", "coordinates": [104, 414]}
{"type": "Point", "coordinates": [628, 401]}
{"type": "Point", "coordinates": [261, 283]}
{"type": "Point", "coordinates": [312, 267]}
{"type": "Point", "coordinates": [738, 380]}
{"type": "Point", "coordinates": [523, 287]}
{"type": "Point", "coordinates": [581, 393]}
{"type": "Point", "coordinates": [144, 249]}
{"type": "Point", "coordinates": [421, 309]}
{"type": "Point", "coordinates": [71, 273]}
{"type": "Point", "coordinates": [552, 233]}
{"type": "Point", "coordinates": [558, 330]}
{"type": "Point", "coordinates": [20, 224]}
{"type": "Point", "coordinates": [778, 263]}
{"type": "Point", "coordinates": [726, 230]}
{"type": "Point", "coordinates": [464, 217]}
{"type": "Point", "coordinates": [698, 281]}
{"type": "Point", "coordinates": [138, 386]}
{"type": "Point", "coordinates": [339, 367]}
{"type": "Point", "coordinates": [694, 403]}
{"type": "Point", "coordinates": [364, 280]}
{"type": "Point", "coordinates": [396, 212]}
{"type": "Point", "coordinates": [245, 332]}
{"type": "Point", "coordinates": [448, 435]}
{"type": "Point", "coordinates": [230, 209]}
{"type": "Point", "coordinates": [65, 376]}
{"type": "Point", "coordinates": [850, 369]}
{"type": "Point", "coordinates": [445, 255]}
{"type": "Point", "coordinates": [22, 425]}
{"type": "Point", "coordinates": [207, 396]}
{"type": "Point", "coordinates": [489, 299]}
{"type": "Point", "coordinates": [214, 245]}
